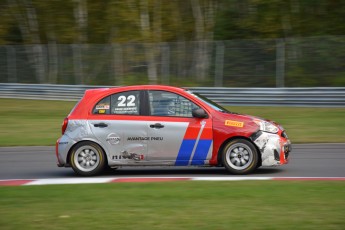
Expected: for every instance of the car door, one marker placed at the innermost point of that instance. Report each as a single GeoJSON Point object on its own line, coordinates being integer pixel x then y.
{"type": "Point", "coordinates": [176, 137]}
{"type": "Point", "coordinates": [116, 123]}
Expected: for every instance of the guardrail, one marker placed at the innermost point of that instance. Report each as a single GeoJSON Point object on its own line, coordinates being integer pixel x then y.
{"type": "Point", "coordinates": [306, 97]}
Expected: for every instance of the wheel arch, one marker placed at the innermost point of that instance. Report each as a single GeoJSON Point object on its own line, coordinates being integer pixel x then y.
{"type": "Point", "coordinates": [221, 149]}
{"type": "Point", "coordinates": [86, 140]}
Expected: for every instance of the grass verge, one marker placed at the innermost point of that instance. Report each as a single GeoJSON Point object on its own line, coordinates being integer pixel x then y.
{"type": "Point", "coordinates": [35, 122]}
{"type": "Point", "coordinates": [304, 125]}
{"type": "Point", "coordinates": [176, 205]}
{"type": "Point", "coordinates": [31, 122]}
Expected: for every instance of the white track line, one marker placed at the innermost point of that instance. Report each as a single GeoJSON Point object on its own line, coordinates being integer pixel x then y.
{"type": "Point", "coordinates": [70, 181]}
{"type": "Point", "coordinates": [98, 180]}
{"type": "Point", "coordinates": [230, 178]}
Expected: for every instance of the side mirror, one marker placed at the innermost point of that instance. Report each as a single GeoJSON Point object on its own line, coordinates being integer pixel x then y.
{"type": "Point", "coordinates": [199, 113]}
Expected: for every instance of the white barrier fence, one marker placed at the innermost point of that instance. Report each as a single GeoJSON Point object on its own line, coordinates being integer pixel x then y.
{"type": "Point", "coordinates": [302, 97]}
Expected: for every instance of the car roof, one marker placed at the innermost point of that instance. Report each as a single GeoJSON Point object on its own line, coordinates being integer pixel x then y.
{"type": "Point", "coordinates": [139, 87]}
{"type": "Point", "coordinates": [90, 93]}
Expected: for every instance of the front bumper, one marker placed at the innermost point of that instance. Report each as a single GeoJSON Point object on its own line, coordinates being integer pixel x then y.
{"type": "Point", "coordinates": [274, 148]}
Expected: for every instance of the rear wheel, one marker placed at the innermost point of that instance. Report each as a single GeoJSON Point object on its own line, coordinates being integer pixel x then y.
{"type": "Point", "coordinates": [240, 157]}
{"type": "Point", "coordinates": [87, 159]}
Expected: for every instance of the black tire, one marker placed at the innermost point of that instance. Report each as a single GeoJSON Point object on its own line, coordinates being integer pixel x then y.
{"type": "Point", "coordinates": [87, 159]}
{"type": "Point", "coordinates": [240, 157]}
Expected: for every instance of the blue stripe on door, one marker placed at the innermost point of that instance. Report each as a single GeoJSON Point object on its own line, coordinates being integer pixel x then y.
{"type": "Point", "coordinates": [185, 152]}
{"type": "Point", "coordinates": [201, 152]}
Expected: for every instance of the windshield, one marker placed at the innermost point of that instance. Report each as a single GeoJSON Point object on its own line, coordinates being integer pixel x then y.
{"type": "Point", "coordinates": [209, 102]}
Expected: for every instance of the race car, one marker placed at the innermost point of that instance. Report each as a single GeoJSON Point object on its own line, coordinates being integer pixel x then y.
{"type": "Point", "coordinates": [155, 125]}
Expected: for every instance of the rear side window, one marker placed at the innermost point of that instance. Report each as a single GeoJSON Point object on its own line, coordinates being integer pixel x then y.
{"type": "Point", "coordinates": [127, 103]}
{"type": "Point", "coordinates": [102, 107]}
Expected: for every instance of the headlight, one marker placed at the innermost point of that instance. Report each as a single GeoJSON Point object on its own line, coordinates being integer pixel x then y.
{"type": "Point", "coordinates": [266, 126]}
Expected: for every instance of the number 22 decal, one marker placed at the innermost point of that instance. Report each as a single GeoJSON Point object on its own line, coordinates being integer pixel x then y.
{"type": "Point", "coordinates": [130, 101]}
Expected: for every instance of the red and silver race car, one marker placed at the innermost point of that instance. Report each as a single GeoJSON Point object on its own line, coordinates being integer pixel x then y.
{"type": "Point", "coordinates": [152, 125]}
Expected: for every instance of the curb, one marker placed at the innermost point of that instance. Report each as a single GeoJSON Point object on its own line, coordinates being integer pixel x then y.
{"type": "Point", "coordinates": [60, 181]}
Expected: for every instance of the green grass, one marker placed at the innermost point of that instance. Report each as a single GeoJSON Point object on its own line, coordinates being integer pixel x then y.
{"type": "Point", "coordinates": [34, 122]}
{"type": "Point", "coordinates": [175, 205]}
{"type": "Point", "coordinates": [31, 122]}
{"type": "Point", "coordinates": [304, 125]}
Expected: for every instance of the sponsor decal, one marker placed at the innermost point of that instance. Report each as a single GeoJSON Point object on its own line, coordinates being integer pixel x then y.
{"type": "Point", "coordinates": [101, 111]}
{"type": "Point", "coordinates": [144, 138]}
{"type": "Point", "coordinates": [113, 139]}
{"type": "Point", "coordinates": [132, 156]}
{"type": "Point", "coordinates": [102, 106]}
{"type": "Point", "coordinates": [234, 123]}
{"type": "Point", "coordinates": [126, 109]}
{"type": "Point", "coordinates": [63, 143]}
{"type": "Point", "coordinates": [116, 157]}
{"type": "Point", "coordinates": [156, 138]}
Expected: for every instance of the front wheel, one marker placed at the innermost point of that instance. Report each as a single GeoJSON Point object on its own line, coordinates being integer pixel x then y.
{"type": "Point", "coordinates": [87, 159]}
{"type": "Point", "coordinates": [240, 157]}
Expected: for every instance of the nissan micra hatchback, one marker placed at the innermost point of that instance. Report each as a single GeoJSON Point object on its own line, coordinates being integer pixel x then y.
{"type": "Point", "coordinates": [164, 126]}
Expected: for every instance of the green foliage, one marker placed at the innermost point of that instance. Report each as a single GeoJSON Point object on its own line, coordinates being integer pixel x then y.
{"type": "Point", "coordinates": [120, 21]}
{"type": "Point", "coordinates": [106, 21]}
{"type": "Point", "coordinates": [238, 19]}
{"type": "Point", "coordinates": [313, 62]}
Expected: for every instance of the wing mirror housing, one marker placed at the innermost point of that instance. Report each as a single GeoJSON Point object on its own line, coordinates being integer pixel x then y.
{"type": "Point", "coordinates": [199, 113]}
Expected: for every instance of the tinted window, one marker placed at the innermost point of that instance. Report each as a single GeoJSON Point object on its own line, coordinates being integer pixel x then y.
{"type": "Point", "coordinates": [164, 103]}
{"type": "Point", "coordinates": [120, 103]}
{"type": "Point", "coordinates": [102, 107]}
{"type": "Point", "coordinates": [125, 103]}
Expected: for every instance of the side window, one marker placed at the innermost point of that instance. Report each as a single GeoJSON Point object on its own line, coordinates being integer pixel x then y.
{"type": "Point", "coordinates": [102, 107]}
{"type": "Point", "coordinates": [164, 103]}
{"type": "Point", "coordinates": [125, 103]}
{"type": "Point", "coordinates": [120, 103]}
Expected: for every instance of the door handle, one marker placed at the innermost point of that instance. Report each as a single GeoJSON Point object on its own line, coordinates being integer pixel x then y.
{"type": "Point", "coordinates": [156, 126]}
{"type": "Point", "coordinates": [100, 125]}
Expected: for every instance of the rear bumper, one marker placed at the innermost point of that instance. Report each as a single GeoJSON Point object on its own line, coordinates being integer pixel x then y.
{"type": "Point", "coordinates": [62, 147]}
{"type": "Point", "coordinates": [58, 163]}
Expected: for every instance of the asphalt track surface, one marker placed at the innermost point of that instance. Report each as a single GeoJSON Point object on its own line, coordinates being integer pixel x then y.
{"type": "Point", "coordinates": [306, 160]}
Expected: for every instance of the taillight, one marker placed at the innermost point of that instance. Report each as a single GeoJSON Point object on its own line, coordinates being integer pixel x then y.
{"type": "Point", "coordinates": [64, 125]}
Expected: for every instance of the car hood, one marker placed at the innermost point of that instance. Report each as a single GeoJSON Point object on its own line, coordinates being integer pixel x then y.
{"type": "Point", "coordinates": [248, 119]}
